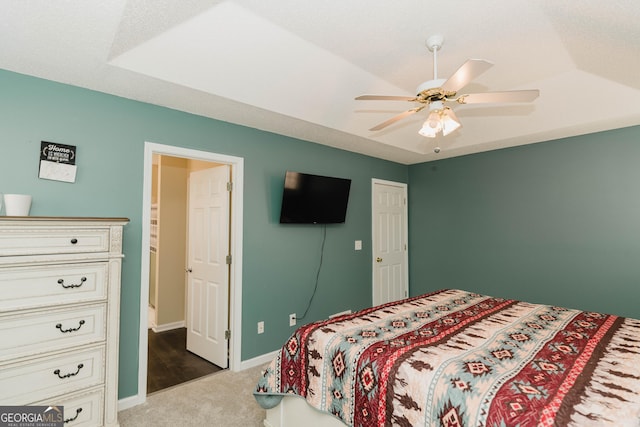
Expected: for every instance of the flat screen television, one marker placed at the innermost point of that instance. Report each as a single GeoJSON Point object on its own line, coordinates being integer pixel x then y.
{"type": "Point", "coordinates": [314, 199]}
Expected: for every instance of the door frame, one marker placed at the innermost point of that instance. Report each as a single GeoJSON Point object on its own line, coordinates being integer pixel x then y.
{"type": "Point", "coordinates": [235, 249]}
{"type": "Point", "coordinates": [404, 186]}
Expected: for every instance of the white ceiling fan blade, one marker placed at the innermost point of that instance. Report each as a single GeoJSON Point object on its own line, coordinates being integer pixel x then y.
{"type": "Point", "coordinates": [384, 98]}
{"type": "Point", "coordinates": [467, 72]}
{"type": "Point", "coordinates": [497, 97]}
{"type": "Point", "coordinates": [397, 118]}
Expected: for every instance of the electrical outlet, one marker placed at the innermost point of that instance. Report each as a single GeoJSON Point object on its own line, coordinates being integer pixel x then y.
{"type": "Point", "coordinates": [260, 327]}
{"type": "Point", "coordinates": [292, 319]}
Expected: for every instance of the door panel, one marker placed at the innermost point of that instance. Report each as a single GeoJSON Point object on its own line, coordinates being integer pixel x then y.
{"type": "Point", "coordinates": [208, 271]}
{"type": "Point", "coordinates": [389, 242]}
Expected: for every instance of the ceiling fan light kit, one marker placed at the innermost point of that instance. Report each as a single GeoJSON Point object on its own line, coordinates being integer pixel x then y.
{"type": "Point", "coordinates": [434, 93]}
{"type": "Point", "coordinates": [440, 119]}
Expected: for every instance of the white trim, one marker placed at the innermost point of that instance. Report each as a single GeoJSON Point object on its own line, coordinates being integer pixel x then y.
{"type": "Point", "coordinates": [235, 295]}
{"type": "Point", "coordinates": [331, 316]}
{"type": "Point", "coordinates": [169, 326]}
{"type": "Point", "coordinates": [259, 360]}
{"type": "Point", "coordinates": [405, 238]}
{"type": "Point", "coordinates": [130, 402]}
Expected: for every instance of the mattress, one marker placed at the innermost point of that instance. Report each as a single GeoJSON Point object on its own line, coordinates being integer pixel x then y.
{"type": "Point", "coordinates": [458, 358]}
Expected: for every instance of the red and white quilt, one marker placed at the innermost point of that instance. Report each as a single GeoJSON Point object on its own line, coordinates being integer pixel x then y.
{"type": "Point", "coordinates": [455, 358]}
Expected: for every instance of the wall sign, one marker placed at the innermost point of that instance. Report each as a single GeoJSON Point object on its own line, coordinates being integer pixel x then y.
{"type": "Point", "coordinates": [57, 161]}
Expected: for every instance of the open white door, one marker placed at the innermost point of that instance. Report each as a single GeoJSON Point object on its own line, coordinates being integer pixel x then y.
{"type": "Point", "coordinates": [208, 271]}
{"type": "Point", "coordinates": [389, 241]}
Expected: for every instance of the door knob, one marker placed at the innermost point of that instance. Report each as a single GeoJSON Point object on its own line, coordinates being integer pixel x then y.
{"type": "Point", "coordinates": [378, 259]}
{"type": "Point", "coordinates": [189, 270]}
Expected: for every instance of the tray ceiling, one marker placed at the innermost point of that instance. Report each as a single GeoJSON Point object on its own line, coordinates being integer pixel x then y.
{"type": "Point", "coordinates": [295, 67]}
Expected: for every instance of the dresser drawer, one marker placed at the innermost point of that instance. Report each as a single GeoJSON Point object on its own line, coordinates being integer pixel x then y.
{"type": "Point", "coordinates": [31, 240]}
{"type": "Point", "coordinates": [39, 379]}
{"type": "Point", "coordinates": [80, 409]}
{"type": "Point", "coordinates": [44, 331]}
{"type": "Point", "coordinates": [37, 286]}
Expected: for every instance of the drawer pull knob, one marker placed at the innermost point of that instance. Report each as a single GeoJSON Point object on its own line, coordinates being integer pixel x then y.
{"type": "Point", "coordinates": [64, 331]}
{"type": "Point", "coordinates": [70, 374]}
{"type": "Point", "coordinates": [68, 420]}
{"type": "Point", "coordinates": [82, 280]}
{"type": "Point", "coordinates": [74, 241]}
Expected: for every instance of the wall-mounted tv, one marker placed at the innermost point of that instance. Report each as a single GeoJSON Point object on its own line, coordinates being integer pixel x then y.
{"type": "Point", "coordinates": [314, 199]}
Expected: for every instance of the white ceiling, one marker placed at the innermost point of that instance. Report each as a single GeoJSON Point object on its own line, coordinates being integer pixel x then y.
{"type": "Point", "coordinates": [294, 67]}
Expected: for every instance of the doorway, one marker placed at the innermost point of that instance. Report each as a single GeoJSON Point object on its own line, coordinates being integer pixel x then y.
{"type": "Point", "coordinates": [235, 165]}
{"type": "Point", "coordinates": [189, 278]}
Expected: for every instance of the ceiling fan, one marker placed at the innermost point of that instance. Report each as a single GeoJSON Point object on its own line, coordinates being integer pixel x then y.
{"type": "Point", "coordinates": [436, 92]}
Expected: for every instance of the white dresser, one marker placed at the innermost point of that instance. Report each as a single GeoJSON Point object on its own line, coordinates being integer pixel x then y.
{"type": "Point", "coordinates": [59, 315]}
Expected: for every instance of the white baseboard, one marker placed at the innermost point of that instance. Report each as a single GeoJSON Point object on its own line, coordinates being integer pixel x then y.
{"type": "Point", "coordinates": [169, 326]}
{"type": "Point", "coordinates": [130, 402]}
{"type": "Point", "coordinates": [340, 314]}
{"type": "Point", "coordinates": [257, 361]}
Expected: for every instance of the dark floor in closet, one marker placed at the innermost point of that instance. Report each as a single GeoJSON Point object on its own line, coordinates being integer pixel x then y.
{"type": "Point", "coordinates": [169, 363]}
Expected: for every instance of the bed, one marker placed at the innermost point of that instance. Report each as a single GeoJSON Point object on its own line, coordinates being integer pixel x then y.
{"type": "Point", "coordinates": [457, 358]}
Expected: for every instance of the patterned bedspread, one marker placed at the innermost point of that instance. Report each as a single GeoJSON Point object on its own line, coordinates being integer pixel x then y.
{"type": "Point", "coordinates": [455, 358]}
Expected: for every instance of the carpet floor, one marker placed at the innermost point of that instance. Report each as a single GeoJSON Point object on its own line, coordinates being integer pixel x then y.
{"type": "Point", "coordinates": [222, 399]}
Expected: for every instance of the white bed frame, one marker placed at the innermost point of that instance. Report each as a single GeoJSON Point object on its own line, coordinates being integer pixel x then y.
{"type": "Point", "coordinates": [294, 411]}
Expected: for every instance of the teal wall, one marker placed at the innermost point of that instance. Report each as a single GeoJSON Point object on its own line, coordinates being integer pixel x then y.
{"type": "Point", "coordinates": [556, 222]}
{"type": "Point", "coordinates": [279, 262]}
